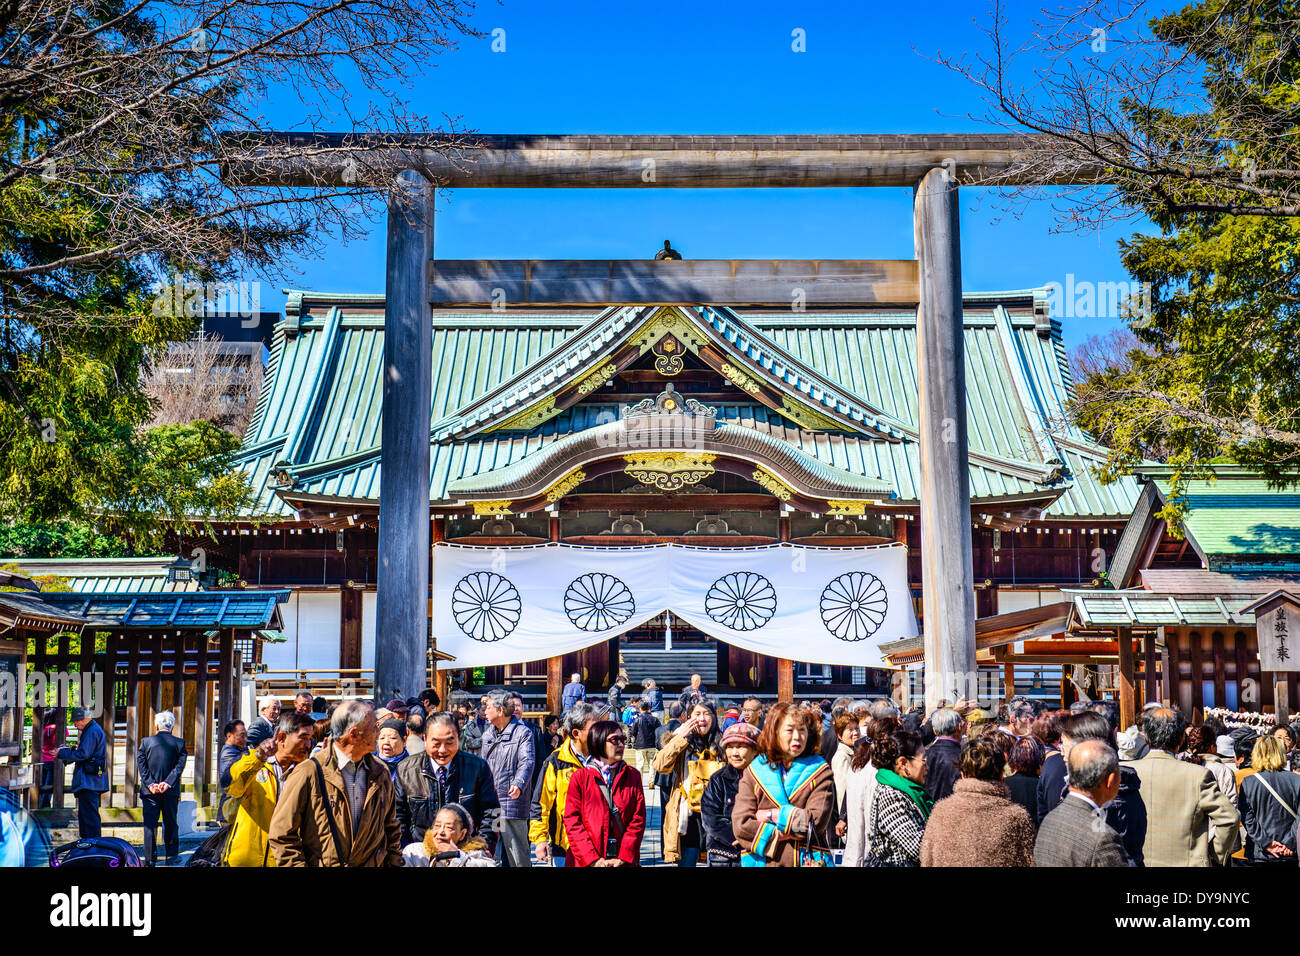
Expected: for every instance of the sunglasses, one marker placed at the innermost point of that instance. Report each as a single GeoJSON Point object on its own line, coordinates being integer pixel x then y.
{"type": "Point", "coordinates": [616, 740]}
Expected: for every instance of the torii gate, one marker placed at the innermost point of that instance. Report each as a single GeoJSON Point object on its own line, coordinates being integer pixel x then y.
{"type": "Point", "coordinates": [932, 165]}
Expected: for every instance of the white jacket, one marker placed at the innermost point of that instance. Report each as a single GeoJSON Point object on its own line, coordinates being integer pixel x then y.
{"type": "Point", "coordinates": [858, 791]}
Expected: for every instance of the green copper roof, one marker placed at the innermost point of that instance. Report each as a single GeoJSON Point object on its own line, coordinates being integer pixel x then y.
{"type": "Point", "coordinates": [1239, 514]}
{"type": "Point", "coordinates": [318, 416]}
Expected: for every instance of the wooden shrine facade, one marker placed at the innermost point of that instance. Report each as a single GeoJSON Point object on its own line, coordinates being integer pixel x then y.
{"type": "Point", "coordinates": [611, 426]}
{"type": "Point", "coordinates": [177, 652]}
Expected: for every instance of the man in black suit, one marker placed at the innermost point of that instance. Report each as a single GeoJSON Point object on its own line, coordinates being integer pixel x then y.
{"type": "Point", "coordinates": [1076, 832]}
{"type": "Point", "coordinates": [159, 763]}
{"type": "Point", "coordinates": [943, 757]}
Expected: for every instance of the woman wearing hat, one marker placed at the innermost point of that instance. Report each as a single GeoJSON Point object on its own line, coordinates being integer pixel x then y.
{"type": "Point", "coordinates": [739, 745]}
{"type": "Point", "coordinates": [392, 744]}
{"type": "Point", "coordinates": [449, 842]}
{"type": "Point", "coordinates": [783, 804]}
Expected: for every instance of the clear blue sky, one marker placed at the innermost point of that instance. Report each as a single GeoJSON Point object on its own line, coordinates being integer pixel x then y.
{"type": "Point", "coordinates": [717, 67]}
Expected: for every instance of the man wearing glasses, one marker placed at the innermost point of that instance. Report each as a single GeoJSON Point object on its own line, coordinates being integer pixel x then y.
{"type": "Point", "coordinates": [751, 712]}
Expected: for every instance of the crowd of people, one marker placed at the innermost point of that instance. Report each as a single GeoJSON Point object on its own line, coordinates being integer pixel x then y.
{"type": "Point", "coordinates": [830, 783]}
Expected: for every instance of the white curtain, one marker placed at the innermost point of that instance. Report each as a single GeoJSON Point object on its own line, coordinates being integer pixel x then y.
{"type": "Point", "coordinates": [821, 605]}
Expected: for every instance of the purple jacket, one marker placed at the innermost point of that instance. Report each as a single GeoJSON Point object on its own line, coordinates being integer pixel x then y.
{"type": "Point", "coordinates": [510, 756]}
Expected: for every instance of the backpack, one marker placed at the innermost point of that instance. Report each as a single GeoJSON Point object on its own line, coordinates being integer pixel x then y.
{"type": "Point", "coordinates": [95, 852]}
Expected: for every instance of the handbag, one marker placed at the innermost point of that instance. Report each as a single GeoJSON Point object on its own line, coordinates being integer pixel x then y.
{"type": "Point", "coordinates": [616, 827]}
{"type": "Point", "coordinates": [809, 855]}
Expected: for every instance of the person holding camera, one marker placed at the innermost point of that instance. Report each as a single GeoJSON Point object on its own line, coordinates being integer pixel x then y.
{"type": "Point", "coordinates": [604, 810]}
{"type": "Point", "coordinates": [89, 780]}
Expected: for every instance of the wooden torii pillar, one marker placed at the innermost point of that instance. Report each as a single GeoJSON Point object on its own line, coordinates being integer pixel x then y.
{"type": "Point", "coordinates": [402, 584]}
{"type": "Point", "coordinates": [947, 567]}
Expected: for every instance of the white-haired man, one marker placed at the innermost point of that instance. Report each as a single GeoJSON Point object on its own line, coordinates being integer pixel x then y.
{"type": "Point", "coordinates": [574, 692]}
{"type": "Point", "coordinates": [263, 728]}
{"type": "Point", "coordinates": [159, 763]}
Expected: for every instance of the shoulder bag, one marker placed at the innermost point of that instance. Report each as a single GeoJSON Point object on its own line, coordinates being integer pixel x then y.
{"type": "Point", "coordinates": [329, 812]}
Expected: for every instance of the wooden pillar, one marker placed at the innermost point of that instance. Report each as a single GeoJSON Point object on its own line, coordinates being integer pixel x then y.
{"type": "Point", "coordinates": [225, 669]}
{"type": "Point", "coordinates": [1281, 699]}
{"type": "Point", "coordinates": [350, 627]}
{"type": "Point", "coordinates": [554, 684]}
{"type": "Point", "coordinates": [1149, 667]}
{"type": "Point", "coordinates": [784, 679]}
{"type": "Point", "coordinates": [1198, 677]}
{"type": "Point", "coordinates": [1239, 657]}
{"type": "Point", "coordinates": [106, 664]}
{"type": "Point", "coordinates": [1008, 680]}
{"type": "Point", "coordinates": [947, 573]}
{"type": "Point", "coordinates": [203, 737]}
{"type": "Point", "coordinates": [402, 629]}
{"type": "Point", "coordinates": [441, 685]}
{"type": "Point", "coordinates": [1127, 703]}
{"type": "Point", "coordinates": [132, 716]}
{"type": "Point", "coordinates": [61, 663]}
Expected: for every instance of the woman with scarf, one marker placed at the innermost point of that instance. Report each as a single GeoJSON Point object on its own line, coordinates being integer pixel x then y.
{"type": "Point", "coordinates": [783, 806]}
{"type": "Point", "coordinates": [604, 810]}
{"type": "Point", "coordinates": [391, 744]}
{"type": "Point", "coordinates": [900, 806]}
{"type": "Point", "coordinates": [689, 756]}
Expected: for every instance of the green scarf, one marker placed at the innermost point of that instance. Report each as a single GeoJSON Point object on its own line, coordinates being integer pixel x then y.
{"type": "Point", "coordinates": [913, 791]}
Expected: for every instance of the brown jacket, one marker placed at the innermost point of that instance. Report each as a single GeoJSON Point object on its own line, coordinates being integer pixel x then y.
{"type": "Point", "coordinates": [978, 826]}
{"type": "Point", "coordinates": [816, 797]}
{"type": "Point", "coordinates": [300, 830]}
{"type": "Point", "coordinates": [672, 758]}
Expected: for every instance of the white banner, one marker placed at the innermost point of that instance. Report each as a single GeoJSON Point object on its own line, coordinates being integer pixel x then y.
{"type": "Point", "coordinates": [819, 605]}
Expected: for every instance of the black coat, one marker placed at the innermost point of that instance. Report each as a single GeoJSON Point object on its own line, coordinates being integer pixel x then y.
{"type": "Point", "coordinates": [160, 759]}
{"type": "Point", "coordinates": [419, 798]}
{"type": "Point", "coordinates": [716, 804]}
{"type": "Point", "coordinates": [1264, 817]}
{"type": "Point", "coordinates": [644, 730]}
{"type": "Point", "coordinates": [1024, 791]}
{"type": "Point", "coordinates": [1051, 783]}
{"type": "Point", "coordinates": [260, 729]}
{"type": "Point", "coordinates": [942, 767]}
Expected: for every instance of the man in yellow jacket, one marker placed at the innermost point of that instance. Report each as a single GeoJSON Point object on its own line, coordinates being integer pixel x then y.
{"type": "Point", "coordinates": [255, 781]}
{"type": "Point", "coordinates": [546, 826]}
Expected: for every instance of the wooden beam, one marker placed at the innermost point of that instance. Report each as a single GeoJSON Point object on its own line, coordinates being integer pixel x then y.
{"type": "Point", "coordinates": [947, 569]}
{"type": "Point", "coordinates": [1220, 670]}
{"type": "Point", "coordinates": [1239, 656]}
{"type": "Point", "coordinates": [554, 684]}
{"type": "Point", "coordinates": [130, 773]}
{"type": "Point", "coordinates": [622, 504]}
{"type": "Point", "coordinates": [638, 161]}
{"type": "Point", "coordinates": [1127, 702]}
{"type": "Point", "coordinates": [488, 283]}
{"type": "Point", "coordinates": [401, 606]}
{"type": "Point", "coordinates": [784, 679]}
{"type": "Point", "coordinates": [1149, 667]}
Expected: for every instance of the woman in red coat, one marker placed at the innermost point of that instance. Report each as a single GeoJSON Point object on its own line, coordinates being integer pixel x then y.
{"type": "Point", "coordinates": [601, 835]}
